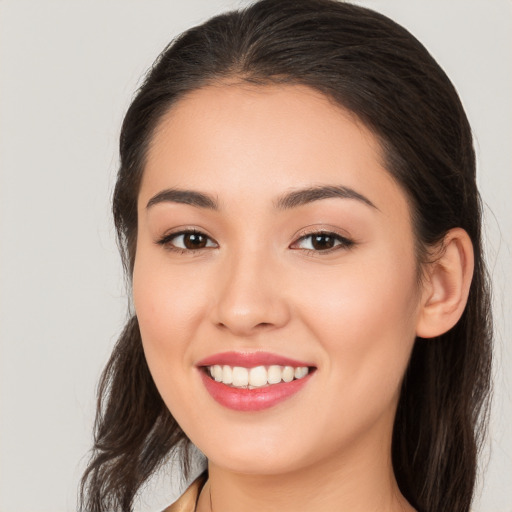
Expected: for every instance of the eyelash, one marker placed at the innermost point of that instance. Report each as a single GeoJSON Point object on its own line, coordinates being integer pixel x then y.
{"type": "Point", "coordinates": [166, 240]}
{"type": "Point", "coordinates": [341, 242]}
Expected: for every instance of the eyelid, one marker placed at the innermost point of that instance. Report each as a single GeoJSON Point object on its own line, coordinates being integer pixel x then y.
{"type": "Point", "coordinates": [165, 240]}
{"type": "Point", "coordinates": [345, 242]}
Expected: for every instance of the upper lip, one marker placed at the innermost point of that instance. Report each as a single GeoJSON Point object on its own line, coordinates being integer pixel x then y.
{"type": "Point", "coordinates": [250, 360]}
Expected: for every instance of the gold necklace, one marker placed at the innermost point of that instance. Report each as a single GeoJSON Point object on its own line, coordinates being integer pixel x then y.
{"type": "Point", "coordinates": [210, 493]}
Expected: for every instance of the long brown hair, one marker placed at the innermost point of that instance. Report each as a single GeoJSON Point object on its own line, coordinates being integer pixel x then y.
{"type": "Point", "coordinates": [375, 68]}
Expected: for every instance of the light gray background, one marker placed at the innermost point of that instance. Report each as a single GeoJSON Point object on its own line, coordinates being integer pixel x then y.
{"type": "Point", "coordinates": [67, 72]}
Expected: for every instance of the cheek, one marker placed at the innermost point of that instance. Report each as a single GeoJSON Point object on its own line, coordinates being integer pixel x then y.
{"type": "Point", "coordinates": [168, 310]}
{"type": "Point", "coordinates": [365, 320]}
{"type": "Point", "coordinates": [166, 298]}
{"type": "Point", "coordinates": [168, 306]}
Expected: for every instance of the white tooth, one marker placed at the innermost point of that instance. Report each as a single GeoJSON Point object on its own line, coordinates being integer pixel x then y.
{"type": "Point", "coordinates": [227, 374]}
{"type": "Point", "coordinates": [258, 376]}
{"type": "Point", "coordinates": [301, 372]}
{"type": "Point", "coordinates": [240, 376]}
{"type": "Point", "coordinates": [288, 373]}
{"type": "Point", "coordinates": [275, 373]}
{"type": "Point", "coordinates": [217, 373]}
{"type": "Point", "coordinates": [210, 371]}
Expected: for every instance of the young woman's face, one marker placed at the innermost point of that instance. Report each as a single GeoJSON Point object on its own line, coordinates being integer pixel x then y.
{"type": "Point", "coordinates": [271, 236]}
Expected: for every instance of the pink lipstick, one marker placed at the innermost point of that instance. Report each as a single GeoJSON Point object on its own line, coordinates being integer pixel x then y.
{"type": "Point", "coordinates": [253, 381]}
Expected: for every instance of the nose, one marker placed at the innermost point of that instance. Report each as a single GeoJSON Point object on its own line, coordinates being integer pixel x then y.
{"type": "Point", "coordinates": [251, 297]}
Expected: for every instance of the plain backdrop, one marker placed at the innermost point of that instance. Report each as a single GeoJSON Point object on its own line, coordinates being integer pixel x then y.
{"type": "Point", "coordinates": [68, 69]}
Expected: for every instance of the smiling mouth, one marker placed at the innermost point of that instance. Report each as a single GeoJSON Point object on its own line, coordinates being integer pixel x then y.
{"type": "Point", "coordinates": [256, 377]}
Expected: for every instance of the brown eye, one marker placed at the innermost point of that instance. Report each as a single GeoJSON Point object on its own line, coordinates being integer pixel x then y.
{"type": "Point", "coordinates": [187, 241]}
{"type": "Point", "coordinates": [194, 241]}
{"type": "Point", "coordinates": [322, 242]}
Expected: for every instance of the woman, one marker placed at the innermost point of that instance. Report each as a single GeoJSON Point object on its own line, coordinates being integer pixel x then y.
{"type": "Point", "coordinates": [298, 215]}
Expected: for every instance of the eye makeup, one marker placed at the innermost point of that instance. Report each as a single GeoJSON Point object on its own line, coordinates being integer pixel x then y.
{"type": "Point", "coordinates": [314, 241]}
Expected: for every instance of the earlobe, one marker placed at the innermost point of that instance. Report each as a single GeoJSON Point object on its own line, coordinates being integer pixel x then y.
{"type": "Point", "coordinates": [446, 286]}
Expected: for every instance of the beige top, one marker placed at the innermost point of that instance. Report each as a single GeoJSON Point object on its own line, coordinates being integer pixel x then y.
{"type": "Point", "coordinates": [187, 502]}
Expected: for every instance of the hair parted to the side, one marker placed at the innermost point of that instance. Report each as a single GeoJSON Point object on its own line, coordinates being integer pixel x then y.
{"type": "Point", "coordinates": [370, 65]}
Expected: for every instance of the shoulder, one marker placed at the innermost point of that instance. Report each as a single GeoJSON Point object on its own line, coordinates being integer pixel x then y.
{"type": "Point", "coordinates": [188, 500]}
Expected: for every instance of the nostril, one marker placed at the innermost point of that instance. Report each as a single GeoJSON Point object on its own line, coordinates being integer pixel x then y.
{"type": "Point", "coordinates": [249, 314]}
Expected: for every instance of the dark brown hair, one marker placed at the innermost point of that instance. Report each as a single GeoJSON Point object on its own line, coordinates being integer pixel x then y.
{"type": "Point", "coordinates": [375, 68]}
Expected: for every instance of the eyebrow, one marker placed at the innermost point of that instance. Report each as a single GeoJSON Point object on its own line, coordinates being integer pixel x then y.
{"type": "Point", "coordinates": [287, 201]}
{"type": "Point", "coordinates": [190, 197]}
{"type": "Point", "coordinates": [308, 195]}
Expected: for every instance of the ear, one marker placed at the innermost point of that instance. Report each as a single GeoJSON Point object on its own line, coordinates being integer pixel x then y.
{"type": "Point", "coordinates": [446, 285]}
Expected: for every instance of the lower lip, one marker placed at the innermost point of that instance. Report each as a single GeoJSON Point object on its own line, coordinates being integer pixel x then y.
{"type": "Point", "coordinates": [257, 399]}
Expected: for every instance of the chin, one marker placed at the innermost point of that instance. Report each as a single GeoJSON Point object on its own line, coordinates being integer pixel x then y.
{"type": "Point", "coordinates": [255, 451]}
{"type": "Point", "coordinates": [257, 464]}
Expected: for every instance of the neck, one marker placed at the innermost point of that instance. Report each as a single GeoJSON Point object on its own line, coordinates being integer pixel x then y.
{"type": "Point", "coordinates": [362, 480]}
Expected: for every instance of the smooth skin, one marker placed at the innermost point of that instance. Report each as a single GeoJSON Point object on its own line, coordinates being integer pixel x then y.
{"type": "Point", "coordinates": [251, 277]}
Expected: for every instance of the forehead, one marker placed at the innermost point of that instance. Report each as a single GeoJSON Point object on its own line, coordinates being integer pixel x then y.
{"type": "Point", "coordinates": [231, 138]}
{"type": "Point", "coordinates": [263, 113]}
